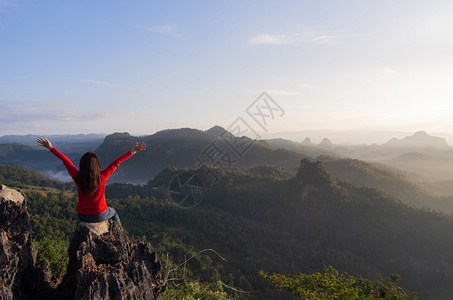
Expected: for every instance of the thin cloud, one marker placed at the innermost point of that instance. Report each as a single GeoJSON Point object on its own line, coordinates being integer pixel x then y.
{"type": "Point", "coordinates": [42, 111]}
{"type": "Point", "coordinates": [282, 93]}
{"type": "Point", "coordinates": [164, 29]}
{"type": "Point", "coordinates": [324, 39]}
{"type": "Point", "coordinates": [104, 83]}
{"type": "Point", "coordinates": [270, 39]}
{"type": "Point", "coordinates": [301, 36]}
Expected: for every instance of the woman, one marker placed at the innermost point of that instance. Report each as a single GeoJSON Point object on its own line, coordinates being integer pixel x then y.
{"type": "Point", "coordinates": [90, 181]}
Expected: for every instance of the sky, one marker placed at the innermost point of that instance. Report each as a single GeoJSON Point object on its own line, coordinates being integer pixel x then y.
{"type": "Point", "coordinates": [69, 67]}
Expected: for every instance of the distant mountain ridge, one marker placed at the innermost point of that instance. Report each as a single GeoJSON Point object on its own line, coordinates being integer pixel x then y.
{"type": "Point", "coordinates": [188, 148]}
{"type": "Point", "coordinates": [420, 140]}
{"type": "Point", "coordinates": [427, 158]}
{"type": "Point", "coordinates": [419, 153]}
{"type": "Point", "coordinates": [70, 143]}
{"type": "Point", "coordinates": [30, 139]}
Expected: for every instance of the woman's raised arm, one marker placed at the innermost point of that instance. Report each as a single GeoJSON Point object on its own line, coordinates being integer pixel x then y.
{"type": "Point", "coordinates": [44, 143]}
{"type": "Point", "coordinates": [138, 147]}
{"type": "Point", "coordinates": [72, 170]}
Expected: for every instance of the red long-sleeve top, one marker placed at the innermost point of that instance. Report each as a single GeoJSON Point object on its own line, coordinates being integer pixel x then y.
{"type": "Point", "coordinates": [91, 204]}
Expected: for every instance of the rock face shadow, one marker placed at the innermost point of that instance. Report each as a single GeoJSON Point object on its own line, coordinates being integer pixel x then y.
{"type": "Point", "coordinates": [17, 253]}
{"type": "Point", "coordinates": [109, 266]}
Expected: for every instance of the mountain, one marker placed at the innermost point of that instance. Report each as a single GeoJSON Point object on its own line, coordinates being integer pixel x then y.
{"type": "Point", "coordinates": [181, 148]}
{"type": "Point", "coordinates": [423, 157]}
{"type": "Point", "coordinates": [23, 150]}
{"type": "Point", "coordinates": [26, 156]}
{"type": "Point", "coordinates": [432, 166]}
{"type": "Point", "coordinates": [219, 131]}
{"type": "Point", "coordinates": [390, 180]}
{"type": "Point", "coordinates": [306, 148]}
{"type": "Point", "coordinates": [20, 176]}
{"type": "Point", "coordinates": [306, 141]}
{"type": "Point", "coordinates": [283, 223]}
{"type": "Point", "coordinates": [37, 158]}
{"type": "Point", "coordinates": [326, 143]}
{"type": "Point", "coordinates": [370, 225]}
{"type": "Point", "coordinates": [420, 141]}
{"type": "Point", "coordinates": [188, 148]}
{"type": "Point", "coordinates": [426, 158]}
{"type": "Point", "coordinates": [276, 220]}
{"type": "Point", "coordinates": [78, 143]}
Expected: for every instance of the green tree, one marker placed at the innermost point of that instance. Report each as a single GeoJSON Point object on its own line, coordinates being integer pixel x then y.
{"type": "Point", "coordinates": [331, 285]}
{"type": "Point", "coordinates": [197, 290]}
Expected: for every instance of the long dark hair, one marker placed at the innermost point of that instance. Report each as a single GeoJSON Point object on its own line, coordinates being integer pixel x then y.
{"type": "Point", "coordinates": [88, 178]}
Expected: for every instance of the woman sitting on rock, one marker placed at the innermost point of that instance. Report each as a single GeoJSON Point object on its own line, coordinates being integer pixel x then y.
{"type": "Point", "coordinates": [90, 181]}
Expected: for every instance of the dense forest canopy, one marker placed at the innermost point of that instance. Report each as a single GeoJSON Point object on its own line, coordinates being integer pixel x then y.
{"type": "Point", "coordinates": [266, 219]}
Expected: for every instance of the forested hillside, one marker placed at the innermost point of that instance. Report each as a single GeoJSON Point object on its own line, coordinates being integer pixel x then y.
{"type": "Point", "coordinates": [188, 148]}
{"type": "Point", "coordinates": [18, 176]}
{"type": "Point", "coordinates": [392, 181]}
{"type": "Point", "coordinates": [191, 148]}
{"type": "Point", "coordinates": [182, 148]}
{"type": "Point", "coordinates": [274, 220]}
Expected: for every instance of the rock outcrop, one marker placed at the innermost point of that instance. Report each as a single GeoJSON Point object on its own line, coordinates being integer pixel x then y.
{"type": "Point", "coordinates": [318, 186]}
{"type": "Point", "coordinates": [102, 264]}
{"type": "Point", "coordinates": [326, 143]}
{"type": "Point", "coordinates": [307, 142]}
{"type": "Point", "coordinates": [17, 254]}
{"type": "Point", "coordinates": [109, 266]}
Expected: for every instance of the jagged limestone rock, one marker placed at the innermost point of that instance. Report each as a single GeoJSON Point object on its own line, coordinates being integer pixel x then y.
{"type": "Point", "coordinates": [12, 195]}
{"type": "Point", "coordinates": [318, 188]}
{"type": "Point", "coordinates": [109, 266]}
{"type": "Point", "coordinates": [17, 254]}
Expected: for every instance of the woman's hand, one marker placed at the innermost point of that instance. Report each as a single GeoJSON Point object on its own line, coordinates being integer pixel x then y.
{"type": "Point", "coordinates": [139, 147]}
{"type": "Point", "coordinates": [44, 143]}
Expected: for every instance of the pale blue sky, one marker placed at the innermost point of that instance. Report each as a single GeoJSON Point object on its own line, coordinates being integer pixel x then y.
{"type": "Point", "coordinates": [142, 66]}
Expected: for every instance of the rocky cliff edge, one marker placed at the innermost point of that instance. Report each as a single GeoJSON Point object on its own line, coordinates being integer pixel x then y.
{"type": "Point", "coordinates": [101, 266]}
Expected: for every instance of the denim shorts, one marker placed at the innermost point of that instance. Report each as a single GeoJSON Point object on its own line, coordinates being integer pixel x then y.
{"type": "Point", "coordinates": [109, 213]}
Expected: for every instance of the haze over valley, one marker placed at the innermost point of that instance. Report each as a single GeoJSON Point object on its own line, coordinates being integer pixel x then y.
{"type": "Point", "coordinates": [327, 206]}
{"type": "Point", "coordinates": [420, 159]}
